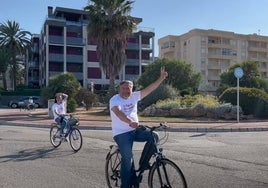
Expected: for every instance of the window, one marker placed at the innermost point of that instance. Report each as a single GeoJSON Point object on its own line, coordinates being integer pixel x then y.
{"type": "Point", "coordinates": [93, 72]}
{"type": "Point", "coordinates": [56, 66]}
{"type": "Point", "coordinates": [203, 40]}
{"type": "Point", "coordinates": [92, 56]}
{"type": "Point", "coordinates": [134, 70]}
{"type": "Point", "coordinates": [74, 67]}
{"type": "Point", "coordinates": [74, 51]}
{"type": "Point", "coordinates": [55, 49]}
{"type": "Point", "coordinates": [203, 62]}
{"type": "Point", "coordinates": [132, 40]}
{"type": "Point", "coordinates": [132, 55]}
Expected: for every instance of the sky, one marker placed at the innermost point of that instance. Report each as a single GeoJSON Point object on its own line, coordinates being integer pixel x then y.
{"type": "Point", "coordinates": [165, 17]}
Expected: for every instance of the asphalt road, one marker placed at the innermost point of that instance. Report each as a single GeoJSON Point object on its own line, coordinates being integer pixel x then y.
{"type": "Point", "coordinates": [208, 160]}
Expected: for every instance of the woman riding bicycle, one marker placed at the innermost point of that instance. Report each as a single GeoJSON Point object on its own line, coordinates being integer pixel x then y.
{"type": "Point", "coordinates": [59, 110]}
{"type": "Point", "coordinates": [123, 110]}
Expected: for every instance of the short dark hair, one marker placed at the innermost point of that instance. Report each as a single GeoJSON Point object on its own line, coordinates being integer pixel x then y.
{"type": "Point", "coordinates": [126, 82]}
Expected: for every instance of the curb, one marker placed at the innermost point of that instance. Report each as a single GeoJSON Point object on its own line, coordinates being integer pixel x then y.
{"type": "Point", "coordinates": [171, 129]}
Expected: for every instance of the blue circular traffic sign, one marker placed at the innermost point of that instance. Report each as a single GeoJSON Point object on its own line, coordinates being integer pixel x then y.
{"type": "Point", "coordinates": [238, 72]}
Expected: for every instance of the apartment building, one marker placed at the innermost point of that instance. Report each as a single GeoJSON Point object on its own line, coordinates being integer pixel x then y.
{"type": "Point", "coordinates": [212, 52]}
{"type": "Point", "coordinates": [65, 47]}
{"type": "Point", "coordinates": [32, 66]}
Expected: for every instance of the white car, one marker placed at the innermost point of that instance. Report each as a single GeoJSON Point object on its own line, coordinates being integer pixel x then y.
{"type": "Point", "coordinates": [23, 102]}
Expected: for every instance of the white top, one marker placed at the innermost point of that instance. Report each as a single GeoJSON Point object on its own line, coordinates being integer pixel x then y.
{"type": "Point", "coordinates": [31, 100]}
{"type": "Point", "coordinates": [60, 108]}
{"type": "Point", "coordinates": [129, 107]}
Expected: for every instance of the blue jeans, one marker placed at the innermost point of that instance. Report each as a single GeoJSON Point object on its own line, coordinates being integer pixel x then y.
{"type": "Point", "coordinates": [63, 122]}
{"type": "Point", "coordinates": [125, 143]}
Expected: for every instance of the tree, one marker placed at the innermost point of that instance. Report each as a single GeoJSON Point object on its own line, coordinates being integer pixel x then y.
{"type": "Point", "coordinates": [17, 41]}
{"type": "Point", "coordinates": [250, 79]}
{"type": "Point", "coordinates": [5, 57]}
{"type": "Point", "coordinates": [109, 25]}
{"type": "Point", "coordinates": [86, 98]}
{"type": "Point", "coordinates": [180, 75]}
{"type": "Point", "coordinates": [65, 82]}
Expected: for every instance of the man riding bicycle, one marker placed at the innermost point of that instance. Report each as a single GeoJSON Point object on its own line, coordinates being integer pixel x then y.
{"type": "Point", "coordinates": [59, 111]}
{"type": "Point", "coordinates": [123, 110]}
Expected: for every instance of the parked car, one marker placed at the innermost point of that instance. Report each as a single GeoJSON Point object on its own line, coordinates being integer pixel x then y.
{"type": "Point", "coordinates": [23, 102]}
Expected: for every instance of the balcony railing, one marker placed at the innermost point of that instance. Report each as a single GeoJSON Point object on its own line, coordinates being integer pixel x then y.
{"type": "Point", "coordinates": [56, 57]}
{"type": "Point", "coordinates": [75, 58]}
{"type": "Point", "coordinates": [75, 41]}
{"type": "Point", "coordinates": [56, 39]}
{"type": "Point", "coordinates": [135, 46]}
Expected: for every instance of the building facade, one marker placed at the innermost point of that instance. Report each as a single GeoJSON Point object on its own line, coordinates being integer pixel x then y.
{"type": "Point", "coordinates": [65, 47]}
{"type": "Point", "coordinates": [212, 52]}
{"type": "Point", "coordinates": [32, 65]}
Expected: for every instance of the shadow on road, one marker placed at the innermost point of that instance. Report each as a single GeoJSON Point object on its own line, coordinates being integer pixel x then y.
{"type": "Point", "coordinates": [35, 153]}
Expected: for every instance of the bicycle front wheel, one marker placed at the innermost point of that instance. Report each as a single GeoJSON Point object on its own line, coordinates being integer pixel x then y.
{"type": "Point", "coordinates": [166, 174]}
{"type": "Point", "coordinates": [76, 139]}
{"type": "Point", "coordinates": [112, 169]}
{"type": "Point", "coordinates": [55, 136]}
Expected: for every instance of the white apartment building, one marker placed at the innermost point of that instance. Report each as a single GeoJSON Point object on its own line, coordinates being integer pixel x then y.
{"type": "Point", "coordinates": [212, 52]}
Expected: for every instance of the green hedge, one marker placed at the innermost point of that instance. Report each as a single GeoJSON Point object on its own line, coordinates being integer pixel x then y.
{"type": "Point", "coordinates": [24, 92]}
{"type": "Point", "coordinates": [251, 100]}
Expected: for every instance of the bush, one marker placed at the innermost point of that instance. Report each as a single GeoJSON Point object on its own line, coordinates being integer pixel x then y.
{"type": "Point", "coordinates": [71, 105]}
{"type": "Point", "coordinates": [188, 101]}
{"type": "Point", "coordinates": [251, 100]}
{"type": "Point", "coordinates": [86, 98]}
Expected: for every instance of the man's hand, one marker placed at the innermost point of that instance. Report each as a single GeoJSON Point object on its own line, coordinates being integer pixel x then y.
{"type": "Point", "coordinates": [134, 124]}
{"type": "Point", "coordinates": [163, 73]}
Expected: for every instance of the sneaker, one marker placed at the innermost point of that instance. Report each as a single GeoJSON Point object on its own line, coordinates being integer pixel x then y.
{"type": "Point", "coordinates": [67, 139]}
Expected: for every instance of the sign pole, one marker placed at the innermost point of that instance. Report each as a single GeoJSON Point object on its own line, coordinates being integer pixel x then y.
{"type": "Point", "coordinates": [237, 110]}
{"type": "Point", "coordinates": [238, 72]}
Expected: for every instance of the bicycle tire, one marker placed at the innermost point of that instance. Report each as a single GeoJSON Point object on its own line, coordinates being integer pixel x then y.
{"type": "Point", "coordinates": [75, 138]}
{"type": "Point", "coordinates": [54, 140]}
{"type": "Point", "coordinates": [164, 174]}
{"type": "Point", "coordinates": [112, 169]}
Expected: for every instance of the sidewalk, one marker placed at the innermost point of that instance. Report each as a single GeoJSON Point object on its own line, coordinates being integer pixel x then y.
{"type": "Point", "coordinates": [40, 119]}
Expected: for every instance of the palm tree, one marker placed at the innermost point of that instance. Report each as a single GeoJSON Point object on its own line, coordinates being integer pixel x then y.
{"type": "Point", "coordinates": [5, 57]}
{"type": "Point", "coordinates": [110, 24]}
{"type": "Point", "coordinates": [16, 40]}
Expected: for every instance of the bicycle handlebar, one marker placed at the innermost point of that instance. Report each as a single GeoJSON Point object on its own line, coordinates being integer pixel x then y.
{"type": "Point", "coordinates": [161, 125]}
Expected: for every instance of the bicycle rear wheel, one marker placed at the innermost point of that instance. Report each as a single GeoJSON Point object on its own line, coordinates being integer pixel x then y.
{"type": "Point", "coordinates": [112, 169]}
{"type": "Point", "coordinates": [166, 174]}
{"type": "Point", "coordinates": [55, 136]}
{"type": "Point", "coordinates": [76, 139]}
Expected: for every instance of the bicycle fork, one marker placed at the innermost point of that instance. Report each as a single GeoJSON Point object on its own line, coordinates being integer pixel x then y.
{"type": "Point", "coordinates": [162, 176]}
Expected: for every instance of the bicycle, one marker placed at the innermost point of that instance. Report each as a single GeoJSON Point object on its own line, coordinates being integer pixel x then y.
{"type": "Point", "coordinates": [73, 134]}
{"type": "Point", "coordinates": [163, 173]}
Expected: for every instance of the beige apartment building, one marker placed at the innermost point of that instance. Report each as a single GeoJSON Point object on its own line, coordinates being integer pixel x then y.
{"type": "Point", "coordinates": [212, 52]}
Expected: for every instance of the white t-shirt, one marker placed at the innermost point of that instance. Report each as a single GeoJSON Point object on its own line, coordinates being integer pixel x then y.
{"type": "Point", "coordinates": [60, 108]}
{"type": "Point", "coordinates": [129, 107]}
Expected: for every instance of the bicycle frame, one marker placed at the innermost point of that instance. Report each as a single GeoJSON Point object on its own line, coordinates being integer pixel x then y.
{"type": "Point", "coordinates": [158, 155]}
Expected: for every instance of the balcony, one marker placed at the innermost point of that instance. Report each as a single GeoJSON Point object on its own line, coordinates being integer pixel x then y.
{"type": "Point", "coordinates": [135, 46]}
{"type": "Point", "coordinates": [78, 75]}
{"type": "Point", "coordinates": [135, 62]}
{"type": "Point", "coordinates": [75, 41]}
{"type": "Point", "coordinates": [56, 39]}
{"type": "Point", "coordinates": [257, 49]}
{"type": "Point", "coordinates": [75, 58]}
{"type": "Point", "coordinates": [56, 57]}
